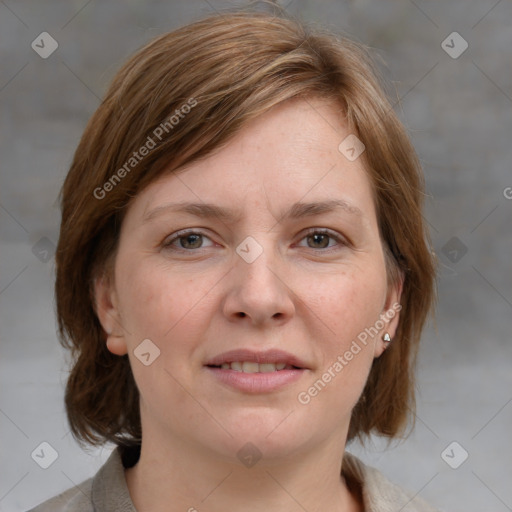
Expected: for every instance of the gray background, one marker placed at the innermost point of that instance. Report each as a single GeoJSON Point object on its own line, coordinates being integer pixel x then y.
{"type": "Point", "coordinates": [458, 111]}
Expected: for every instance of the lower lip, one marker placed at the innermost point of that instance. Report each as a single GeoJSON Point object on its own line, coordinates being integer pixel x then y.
{"type": "Point", "coordinates": [256, 382]}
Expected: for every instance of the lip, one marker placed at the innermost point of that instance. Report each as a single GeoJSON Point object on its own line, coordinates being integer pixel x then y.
{"type": "Point", "coordinates": [267, 356]}
{"type": "Point", "coordinates": [255, 383]}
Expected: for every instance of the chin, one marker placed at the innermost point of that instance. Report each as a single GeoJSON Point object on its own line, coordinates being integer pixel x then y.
{"type": "Point", "coordinates": [270, 434]}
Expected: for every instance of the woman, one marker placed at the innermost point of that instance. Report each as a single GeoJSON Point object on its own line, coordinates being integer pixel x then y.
{"type": "Point", "coordinates": [243, 275]}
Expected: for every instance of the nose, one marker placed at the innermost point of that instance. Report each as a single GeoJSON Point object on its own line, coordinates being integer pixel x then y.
{"type": "Point", "coordinates": [258, 292]}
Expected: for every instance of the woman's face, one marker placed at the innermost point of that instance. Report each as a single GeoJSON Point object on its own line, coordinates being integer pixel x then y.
{"type": "Point", "coordinates": [276, 279]}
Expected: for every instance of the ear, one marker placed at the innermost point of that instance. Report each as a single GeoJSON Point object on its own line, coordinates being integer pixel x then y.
{"type": "Point", "coordinates": [108, 315]}
{"type": "Point", "coordinates": [390, 314]}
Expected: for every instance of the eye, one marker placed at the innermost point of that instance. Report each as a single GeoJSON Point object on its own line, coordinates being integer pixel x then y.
{"type": "Point", "coordinates": [193, 239]}
{"type": "Point", "coordinates": [319, 239]}
{"type": "Point", "coordinates": [187, 241]}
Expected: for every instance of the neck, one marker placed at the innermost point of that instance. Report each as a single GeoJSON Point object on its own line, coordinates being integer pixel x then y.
{"type": "Point", "coordinates": [181, 476]}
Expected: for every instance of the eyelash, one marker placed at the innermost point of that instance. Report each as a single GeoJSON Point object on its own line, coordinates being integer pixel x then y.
{"type": "Point", "coordinates": [183, 234]}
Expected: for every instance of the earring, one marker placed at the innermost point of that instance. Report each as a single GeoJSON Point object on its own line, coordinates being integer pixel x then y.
{"type": "Point", "coordinates": [387, 339]}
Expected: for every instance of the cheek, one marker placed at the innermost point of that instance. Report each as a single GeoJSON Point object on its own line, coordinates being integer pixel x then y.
{"type": "Point", "coordinates": [354, 300]}
{"type": "Point", "coordinates": [164, 306]}
{"type": "Point", "coordinates": [161, 303]}
{"type": "Point", "coordinates": [147, 300]}
{"type": "Point", "coordinates": [349, 311]}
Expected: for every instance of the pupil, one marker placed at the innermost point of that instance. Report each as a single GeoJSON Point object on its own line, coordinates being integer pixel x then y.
{"type": "Point", "coordinates": [189, 237]}
{"type": "Point", "coordinates": [322, 236]}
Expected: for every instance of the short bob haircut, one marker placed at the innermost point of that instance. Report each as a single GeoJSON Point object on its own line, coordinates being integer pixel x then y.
{"type": "Point", "coordinates": [182, 96]}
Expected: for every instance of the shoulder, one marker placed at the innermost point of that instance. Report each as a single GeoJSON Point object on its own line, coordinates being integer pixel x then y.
{"type": "Point", "coordinates": [107, 490]}
{"type": "Point", "coordinates": [379, 493]}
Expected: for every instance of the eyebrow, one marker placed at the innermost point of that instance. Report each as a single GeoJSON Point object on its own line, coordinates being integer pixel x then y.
{"type": "Point", "coordinates": [297, 211]}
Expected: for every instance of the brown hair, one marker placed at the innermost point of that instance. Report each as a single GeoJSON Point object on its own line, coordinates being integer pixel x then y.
{"type": "Point", "coordinates": [229, 69]}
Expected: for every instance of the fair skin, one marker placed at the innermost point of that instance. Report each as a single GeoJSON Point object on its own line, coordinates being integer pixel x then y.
{"type": "Point", "coordinates": [304, 294]}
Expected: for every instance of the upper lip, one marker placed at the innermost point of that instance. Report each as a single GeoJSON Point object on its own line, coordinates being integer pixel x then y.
{"type": "Point", "coordinates": [268, 356]}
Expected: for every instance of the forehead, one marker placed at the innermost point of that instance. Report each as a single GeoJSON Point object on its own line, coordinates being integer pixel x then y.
{"type": "Point", "coordinates": [289, 154]}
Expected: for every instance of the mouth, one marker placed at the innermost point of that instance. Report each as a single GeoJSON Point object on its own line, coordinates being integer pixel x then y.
{"type": "Point", "coordinates": [250, 361]}
{"type": "Point", "coordinates": [252, 367]}
{"type": "Point", "coordinates": [256, 372]}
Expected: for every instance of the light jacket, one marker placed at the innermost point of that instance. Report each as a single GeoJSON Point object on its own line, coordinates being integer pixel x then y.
{"type": "Point", "coordinates": [107, 490]}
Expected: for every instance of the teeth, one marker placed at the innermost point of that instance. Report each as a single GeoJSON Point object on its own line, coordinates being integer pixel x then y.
{"type": "Point", "coordinates": [253, 367]}
{"type": "Point", "coordinates": [250, 367]}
